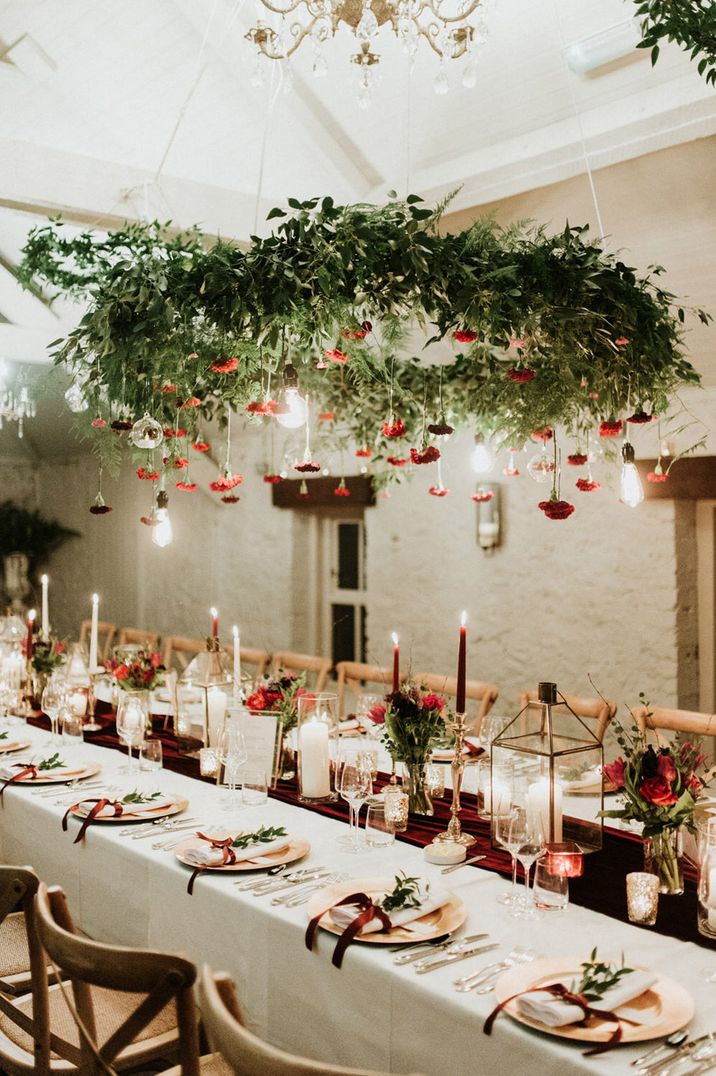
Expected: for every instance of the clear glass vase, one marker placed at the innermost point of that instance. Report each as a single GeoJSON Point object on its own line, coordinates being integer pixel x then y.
{"type": "Point", "coordinates": [662, 857]}
{"type": "Point", "coordinates": [419, 799]}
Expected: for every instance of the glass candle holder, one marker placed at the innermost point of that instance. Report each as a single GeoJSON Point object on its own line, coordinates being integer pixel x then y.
{"type": "Point", "coordinates": [435, 781]}
{"type": "Point", "coordinates": [642, 898]}
{"type": "Point", "coordinates": [396, 807]}
{"type": "Point", "coordinates": [564, 860]}
{"type": "Point", "coordinates": [706, 908]}
{"type": "Point", "coordinates": [318, 746]}
{"type": "Point", "coordinates": [208, 762]}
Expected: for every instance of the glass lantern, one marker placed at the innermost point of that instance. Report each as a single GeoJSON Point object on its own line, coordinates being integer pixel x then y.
{"type": "Point", "coordinates": [552, 753]}
{"type": "Point", "coordinates": [204, 692]}
{"type": "Point", "coordinates": [706, 909]}
{"type": "Point", "coordinates": [318, 747]}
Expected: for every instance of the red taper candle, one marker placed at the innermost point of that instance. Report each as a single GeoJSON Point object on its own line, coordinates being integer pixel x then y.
{"type": "Point", "coordinates": [30, 629]}
{"type": "Point", "coordinates": [461, 667]}
{"type": "Point", "coordinates": [396, 663]}
{"type": "Point", "coordinates": [214, 623]}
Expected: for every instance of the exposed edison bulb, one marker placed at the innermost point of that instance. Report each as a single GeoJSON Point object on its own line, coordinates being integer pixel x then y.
{"type": "Point", "coordinates": [631, 489]}
{"type": "Point", "coordinates": [162, 533]}
{"type": "Point", "coordinates": [295, 416]}
{"type": "Point", "coordinates": [481, 458]}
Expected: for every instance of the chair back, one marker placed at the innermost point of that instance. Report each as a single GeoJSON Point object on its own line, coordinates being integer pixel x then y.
{"type": "Point", "coordinates": [476, 690]}
{"type": "Point", "coordinates": [259, 659]}
{"type": "Point", "coordinates": [179, 651]}
{"type": "Point", "coordinates": [243, 1052]}
{"type": "Point", "coordinates": [138, 637]}
{"type": "Point", "coordinates": [292, 662]}
{"type": "Point", "coordinates": [353, 676]}
{"type": "Point", "coordinates": [18, 886]}
{"type": "Point", "coordinates": [658, 719]}
{"type": "Point", "coordinates": [599, 711]}
{"type": "Point", "coordinates": [105, 635]}
{"type": "Point", "coordinates": [160, 977]}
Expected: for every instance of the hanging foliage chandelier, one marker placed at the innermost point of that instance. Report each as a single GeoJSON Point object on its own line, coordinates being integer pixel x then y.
{"type": "Point", "coordinates": [444, 24]}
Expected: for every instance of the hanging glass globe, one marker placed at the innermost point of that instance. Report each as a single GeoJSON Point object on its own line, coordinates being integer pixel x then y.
{"type": "Point", "coordinates": [146, 432]}
{"type": "Point", "coordinates": [541, 467]}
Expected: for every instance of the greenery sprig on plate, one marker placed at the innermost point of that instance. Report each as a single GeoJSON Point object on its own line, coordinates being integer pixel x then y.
{"type": "Point", "coordinates": [137, 797]}
{"type": "Point", "coordinates": [54, 762]}
{"type": "Point", "coordinates": [407, 893]}
{"type": "Point", "coordinates": [263, 835]}
{"type": "Point", "coordinates": [598, 976]}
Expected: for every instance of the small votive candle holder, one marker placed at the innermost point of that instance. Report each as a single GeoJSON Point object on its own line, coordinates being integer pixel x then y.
{"type": "Point", "coordinates": [435, 781]}
{"type": "Point", "coordinates": [396, 807]}
{"type": "Point", "coordinates": [642, 898]}
{"type": "Point", "coordinates": [208, 762]}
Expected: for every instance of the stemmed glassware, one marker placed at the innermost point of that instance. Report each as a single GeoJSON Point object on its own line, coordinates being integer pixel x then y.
{"type": "Point", "coordinates": [233, 754]}
{"type": "Point", "coordinates": [53, 699]}
{"type": "Point", "coordinates": [508, 833]}
{"type": "Point", "coordinates": [131, 725]}
{"type": "Point", "coordinates": [355, 787]}
{"type": "Point", "coordinates": [527, 833]}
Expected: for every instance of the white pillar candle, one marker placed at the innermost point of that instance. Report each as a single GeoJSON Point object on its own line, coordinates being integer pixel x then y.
{"type": "Point", "coordinates": [13, 667]}
{"type": "Point", "coordinates": [711, 898]}
{"type": "Point", "coordinates": [499, 794]}
{"type": "Point", "coordinates": [538, 808]}
{"type": "Point", "coordinates": [45, 608]}
{"type": "Point", "coordinates": [315, 760]}
{"type": "Point", "coordinates": [216, 712]}
{"type": "Point", "coordinates": [237, 662]}
{"type": "Point", "coordinates": [77, 703]}
{"type": "Point", "coordinates": [93, 634]}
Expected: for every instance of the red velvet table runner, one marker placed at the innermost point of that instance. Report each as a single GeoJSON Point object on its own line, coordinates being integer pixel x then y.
{"type": "Point", "coordinates": [602, 887]}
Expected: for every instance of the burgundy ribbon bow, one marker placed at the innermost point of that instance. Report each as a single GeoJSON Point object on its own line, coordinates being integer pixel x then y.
{"type": "Point", "coordinates": [99, 805]}
{"type": "Point", "coordinates": [367, 911]}
{"type": "Point", "coordinates": [559, 990]}
{"type": "Point", "coordinates": [32, 770]}
{"type": "Point", "coordinates": [229, 857]}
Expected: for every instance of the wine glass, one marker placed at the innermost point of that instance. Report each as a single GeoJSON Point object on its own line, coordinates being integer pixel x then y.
{"type": "Point", "coordinates": [509, 835]}
{"type": "Point", "coordinates": [232, 752]}
{"type": "Point", "coordinates": [131, 725]}
{"type": "Point", "coordinates": [53, 699]}
{"type": "Point", "coordinates": [528, 825]}
{"type": "Point", "coordinates": [355, 787]}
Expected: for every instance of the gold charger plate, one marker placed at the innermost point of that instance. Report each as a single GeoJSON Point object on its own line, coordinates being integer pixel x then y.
{"type": "Point", "coordinates": [60, 778]}
{"type": "Point", "coordinates": [13, 745]}
{"type": "Point", "coordinates": [297, 849]}
{"type": "Point", "coordinates": [667, 1001]}
{"type": "Point", "coordinates": [448, 917]}
{"type": "Point", "coordinates": [180, 804]}
{"type": "Point", "coordinates": [591, 790]}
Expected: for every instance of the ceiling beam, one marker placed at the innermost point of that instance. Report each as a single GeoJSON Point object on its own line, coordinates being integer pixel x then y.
{"type": "Point", "coordinates": [22, 306]}
{"type": "Point", "coordinates": [28, 345]}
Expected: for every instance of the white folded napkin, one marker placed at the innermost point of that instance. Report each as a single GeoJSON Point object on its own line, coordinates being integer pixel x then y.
{"type": "Point", "coordinates": [345, 915]}
{"type": "Point", "coordinates": [554, 1012]}
{"type": "Point", "coordinates": [158, 804]}
{"type": "Point", "coordinates": [587, 780]}
{"type": "Point", "coordinates": [349, 725]}
{"type": "Point", "coordinates": [7, 771]}
{"type": "Point", "coordinates": [206, 856]}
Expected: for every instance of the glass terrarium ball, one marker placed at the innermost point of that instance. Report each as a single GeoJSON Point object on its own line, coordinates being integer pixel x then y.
{"type": "Point", "coordinates": [146, 432]}
{"type": "Point", "coordinates": [541, 467]}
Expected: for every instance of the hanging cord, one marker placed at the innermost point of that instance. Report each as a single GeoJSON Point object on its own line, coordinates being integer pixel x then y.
{"type": "Point", "coordinates": [408, 145]}
{"type": "Point", "coordinates": [227, 464]}
{"type": "Point", "coordinates": [578, 117]}
{"type": "Point", "coordinates": [272, 96]}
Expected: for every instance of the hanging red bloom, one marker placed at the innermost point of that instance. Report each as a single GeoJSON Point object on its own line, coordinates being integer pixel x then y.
{"type": "Point", "coordinates": [394, 429]}
{"type": "Point", "coordinates": [640, 418]}
{"type": "Point", "coordinates": [577, 459]}
{"type": "Point", "coordinates": [484, 497]}
{"type": "Point", "coordinates": [307, 468]}
{"type": "Point", "coordinates": [355, 334]}
{"type": "Point", "coordinates": [226, 367]}
{"type": "Point", "coordinates": [256, 407]}
{"type": "Point", "coordinates": [656, 476]}
{"type": "Point", "coordinates": [226, 482]}
{"type": "Point", "coordinates": [230, 498]}
{"type": "Point", "coordinates": [397, 461]}
{"type": "Point", "coordinates": [511, 472]}
{"type": "Point", "coordinates": [586, 485]}
{"type": "Point", "coordinates": [363, 453]}
{"type": "Point", "coordinates": [98, 423]}
{"type": "Point", "coordinates": [520, 374]}
{"type": "Point", "coordinates": [428, 455]}
{"type": "Point", "coordinates": [186, 487]}
{"type": "Point", "coordinates": [610, 429]}
{"type": "Point", "coordinates": [192, 401]}
{"type": "Point", "coordinates": [273, 407]}
{"type": "Point", "coordinates": [120, 424]}
{"type": "Point", "coordinates": [327, 416]}
{"type": "Point", "coordinates": [169, 386]}
{"type": "Point", "coordinates": [99, 508]}
{"type": "Point", "coordinates": [148, 521]}
{"type": "Point", "coordinates": [201, 446]}
{"type": "Point", "coordinates": [543, 435]}
{"type": "Point", "coordinates": [147, 476]}
{"type": "Point", "coordinates": [438, 491]}
{"type": "Point", "coordinates": [341, 490]}
{"type": "Point", "coordinates": [272, 479]}
{"type": "Point", "coordinates": [518, 341]}
{"type": "Point", "coordinates": [180, 462]}
{"type": "Point", "coordinates": [171, 432]}
{"type": "Point", "coordinates": [593, 395]}
{"type": "Point", "coordinates": [335, 355]}
{"type": "Point", "coordinates": [556, 509]}
{"type": "Point", "coordinates": [621, 341]}
{"type": "Point", "coordinates": [464, 336]}
{"type": "Point", "coordinates": [441, 429]}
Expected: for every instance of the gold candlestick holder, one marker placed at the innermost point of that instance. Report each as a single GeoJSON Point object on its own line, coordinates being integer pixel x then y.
{"type": "Point", "coordinates": [90, 724]}
{"type": "Point", "coordinates": [457, 767]}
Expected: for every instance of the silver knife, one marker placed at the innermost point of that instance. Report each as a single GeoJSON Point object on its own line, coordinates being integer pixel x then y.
{"type": "Point", "coordinates": [409, 958]}
{"type": "Point", "coordinates": [465, 863]}
{"type": "Point", "coordinates": [276, 887]}
{"type": "Point", "coordinates": [455, 957]}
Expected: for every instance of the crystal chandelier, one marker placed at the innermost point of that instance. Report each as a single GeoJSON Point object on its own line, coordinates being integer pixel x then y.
{"type": "Point", "coordinates": [16, 403]}
{"type": "Point", "coordinates": [444, 26]}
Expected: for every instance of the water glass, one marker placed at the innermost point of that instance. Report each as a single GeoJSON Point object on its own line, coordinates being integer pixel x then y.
{"type": "Point", "coordinates": [150, 755]}
{"type": "Point", "coordinates": [550, 891]}
{"type": "Point", "coordinates": [355, 787]}
{"type": "Point", "coordinates": [72, 726]}
{"type": "Point", "coordinates": [379, 831]}
{"type": "Point", "coordinates": [53, 699]}
{"type": "Point", "coordinates": [131, 724]}
{"type": "Point", "coordinates": [254, 787]}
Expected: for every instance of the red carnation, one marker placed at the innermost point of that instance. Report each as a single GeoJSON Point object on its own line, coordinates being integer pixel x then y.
{"type": "Point", "coordinates": [364, 453]}
{"type": "Point", "coordinates": [179, 432]}
{"type": "Point", "coordinates": [186, 487]}
{"type": "Point", "coordinates": [394, 429]}
{"type": "Point", "coordinates": [272, 479]}
{"type": "Point", "coordinates": [335, 355]}
{"type": "Point", "coordinates": [358, 334]}
{"type": "Point", "coordinates": [226, 482]}
{"type": "Point", "coordinates": [100, 509]}
{"type": "Point", "coordinates": [518, 341]}
{"type": "Point", "coordinates": [610, 429]}
{"type": "Point", "coordinates": [98, 423]}
{"type": "Point", "coordinates": [256, 701]}
{"type": "Point", "coordinates": [148, 521]}
{"type": "Point", "coordinates": [341, 491]}
{"type": "Point", "coordinates": [511, 472]}
{"type": "Point", "coordinates": [121, 424]}
{"type": "Point", "coordinates": [441, 429]}
{"type": "Point", "coordinates": [168, 386]}
{"type": "Point", "coordinates": [464, 336]}
{"type": "Point", "coordinates": [665, 766]}
{"type": "Point", "coordinates": [438, 491]}
{"type": "Point", "coordinates": [586, 485]}
{"type": "Point", "coordinates": [256, 407]}
{"type": "Point", "coordinates": [307, 468]}
{"type": "Point", "coordinates": [640, 418]}
{"type": "Point", "coordinates": [147, 476]}
{"type": "Point", "coordinates": [226, 367]}
{"type": "Point", "coordinates": [433, 702]}
{"type": "Point", "coordinates": [484, 497]}
{"type": "Point", "coordinates": [121, 672]}
{"type": "Point", "coordinates": [614, 772]}
{"type": "Point", "coordinates": [428, 455]}
{"type": "Point", "coordinates": [377, 714]}
{"type": "Point", "coordinates": [657, 476]}
{"type": "Point", "coordinates": [658, 791]}
{"type": "Point", "coordinates": [230, 498]}
{"type": "Point", "coordinates": [180, 463]}
{"type": "Point", "coordinates": [556, 509]}
{"type": "Point", "coordinates": [192, 401]}
{"type": "Point", "coordinates": [327, 416]}
{"type": "Point", "coordinates": [543, 435]}
{"type": "Point", "coordinates": [396, 461]}
{"type": "Point", "coordinates": [201, 446]}
{"type": "Point", "coordinates": [577, 459]}
{"type": "Point", "coordinates": [521, 374]}
{"type": "Point", "coordinates": [621, 341]}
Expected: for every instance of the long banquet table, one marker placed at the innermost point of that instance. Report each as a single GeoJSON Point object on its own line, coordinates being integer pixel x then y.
{"type": "Point", "coordinates": [370, 1013]}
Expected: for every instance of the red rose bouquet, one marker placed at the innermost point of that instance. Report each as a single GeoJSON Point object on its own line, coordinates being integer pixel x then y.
{"type": "Point", "coordinates": [279, 694]}
{"type": "Point", "coordinates": [144, 672]}
{"type": "Point", "coordinates": [413, 725]}
{"type": "Point", "coordinates": [47, 655]}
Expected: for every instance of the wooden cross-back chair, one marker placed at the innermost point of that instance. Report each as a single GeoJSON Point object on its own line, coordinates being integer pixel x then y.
{"type": "Point", "coordinates": [476, 690]}
{"type": "Point", "coordinates": [356, 676]}
{"type": "Point", "coordinates": [316, 668]}
{"type": "Point", "coordinates": [659, 719]}
{"type": "Point", "coordinates": [105, 635]}
{"type": "Point", "coordinates": [18, 886]}
{"type": "Point", "coordinates": [259, 660]}
{"type": "Point", "coordinates": [179, 651]}
{"type": "Point", "coordinates": [138, 637]}
{"type": "Point", "coordinates": [600, 712]}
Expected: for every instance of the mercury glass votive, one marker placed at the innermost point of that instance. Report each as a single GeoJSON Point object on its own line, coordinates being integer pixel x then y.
{"type": "Point", "coordinates": [642, 898]}
{"type": "Point", "coordinates": [435, 781]}
{"type": "Point", "coordinates": [396, 807]}
{"type": "Point", "coordinates": [208, 762]}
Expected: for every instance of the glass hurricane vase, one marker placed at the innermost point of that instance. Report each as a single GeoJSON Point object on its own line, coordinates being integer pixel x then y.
{"type": "Point", "coordinates": [419, 799]}
{"type": "Point", "coordinates": [662, 857]}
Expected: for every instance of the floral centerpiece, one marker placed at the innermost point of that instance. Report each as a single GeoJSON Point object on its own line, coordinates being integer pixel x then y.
{"type": "Point", "coordinates": [659, 787]}
{"type": "Point", "coordinates": [279, 695]}
{"type": "Point", "coordinates": [413, 725]}
{"type": "Point", "coordinates": [144, 673]}
{"type": "Point", "coordinates": [47, 655]}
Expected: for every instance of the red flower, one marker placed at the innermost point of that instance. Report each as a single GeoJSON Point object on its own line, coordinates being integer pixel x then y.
{"type": "Point", "coordinates": [586, 485]}
{"type": "Point", "coordinates": [148, 521]}
{"type": "Point", "coordinates": [230, 498]}
{"type": "Point", "coordinates": [98, 423]}
{"type": "Point", "coordinates": [396, 461]}
{"type": "Point", "coordinates": [483, 498]}
{"type": "Point", "coordinates": [665, 767]}
{"type": "Point", "coordinates": [511, 472]}
{"type": "Point", "coordinates": [192, 401]}
{"type": "Point", "coordinates": [121, 672]}
{"type": "Point", "coordinates": [433, 702]}
{"type": "Point", "coordinates": [155, 660]}
{"type": "Point", "coordinates": [694, 783]}
{"type": "Point", "coordinates": [364, 453]}
{"type": "Point", "coordinates": [272, 479]}
{"type": "Point", "coordinates": [180, 463]}
{"type": "Point", "coordinates": [307, 468]}
{"type": "Point", "coordinates": [556, 509]}
{"type": "Point", "coordinates": [59, 648]}
{"type": "Point", "coordinates": [621, 341]}
{"type": "Point", "coordinates": [543, 435]}
{"type": "Point", "coordinates": [171, 432]}
{"type": "Point", "coordinates": [257, 407]}
{"type": "Point", "coordinates": [186, 487]}
{"type": "Point", "coordinates": [100, 509]}
{"type": "Point", "coordinates": [441, 429]}
{"type": "Point", "coordinates": [341, 491]}
{"type": "Point", "coordinates": [168, 386]}
{"type": "Point", "coordinates": [335, 355]}
{"type": "Point", "coordinates": [464, 336]}
{"type": "Point", "coordinates": [577, 459]}
{"type": "Point", "coordinates": [614, 772]}
{"type": "Point", "coordinates": [656, 476]}
{"type": "Point", "coordinates": [394, 429]}
{"type": "Point", "coordinates": [640, 418]}
{"type": "Point", "coordinates": [358, 334]}
{"type": "Point", "coordinates": [658, 791]}
{"type": "Point", "coordinates": [327, 416]}
{"type": "Point", "coordinates": [521, 374]}
{"type": "Point", "coordinates": [438, 491]}
{"type": "Point", "coordinates": [428, 455]}
{"type": "Point", "coordinates": [593, 395]}
{"type": "Point", "coordinates": [121, 424]}
{"type": "Point", "coordinates": [518, 341]}
{"type": "Point", "coordinates": [226, 367]}
{"type": "Point", "coordinates": [610, 429]}
{"type": "Point", "coordinates": [226, 482]}
{"type": "Point", "coordinates": [201, 446]}
{"type": "Point", "coordinates": [256, 701]}
{"type": "Point", "coordinates": [147, 476]}
{"type": "Point", "coordinates": [377, 714]}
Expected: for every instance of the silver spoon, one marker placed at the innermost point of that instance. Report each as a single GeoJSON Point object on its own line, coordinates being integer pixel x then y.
{"type": "Point", "coordinates": [668, 1044]}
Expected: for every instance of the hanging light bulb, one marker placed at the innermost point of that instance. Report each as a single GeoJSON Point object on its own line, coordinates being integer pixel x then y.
{"type": "Point", "coordinates": [481, 458]}
{"type": "Point", "coordinates": [295, 415]}
{"type": "Point", "coordinates": [162, 533]}
{"type": "Point", "coordinates": [632, 491]}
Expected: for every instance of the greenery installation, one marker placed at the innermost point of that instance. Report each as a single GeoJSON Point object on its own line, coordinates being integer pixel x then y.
{"type": "Point", "coordinates": [543, 330]}
{"type": "Point", "coordinates": [690, 23]}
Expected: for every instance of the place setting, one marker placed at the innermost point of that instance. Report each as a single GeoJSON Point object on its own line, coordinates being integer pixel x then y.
{"type": "Point", "coordinates": [45, 769]}
{"type": "Point", "coordinates": [262, 848]}
{"type": "Point", "coordinates": [137, 805]}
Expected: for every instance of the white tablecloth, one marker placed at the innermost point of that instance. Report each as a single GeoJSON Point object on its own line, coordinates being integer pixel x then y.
{"type": "Point", "coordinates": [370, 1013]}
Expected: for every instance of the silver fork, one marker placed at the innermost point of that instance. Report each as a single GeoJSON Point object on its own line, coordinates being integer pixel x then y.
{"type": "Point", "coordinates": [483, 980]}
{"type": "Point", "coordinates": [170, 824]}
{"type": "Point", "coordinates": [303, 896]}
{"type": "Point", "coordinates": [68, 798]}
{"type": "Point", "coordinates": [446, 946]}
{"type": "Point", "coordinates": [451, 949]}
{"type": "Point", "coordinates": [316, 882]}
{"type": "Point", "coordinates": [172, 841]}
{"type": "Point", "coordinates": [68, 786]}
{"type": "Point", "coordinates": [263, 888]}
